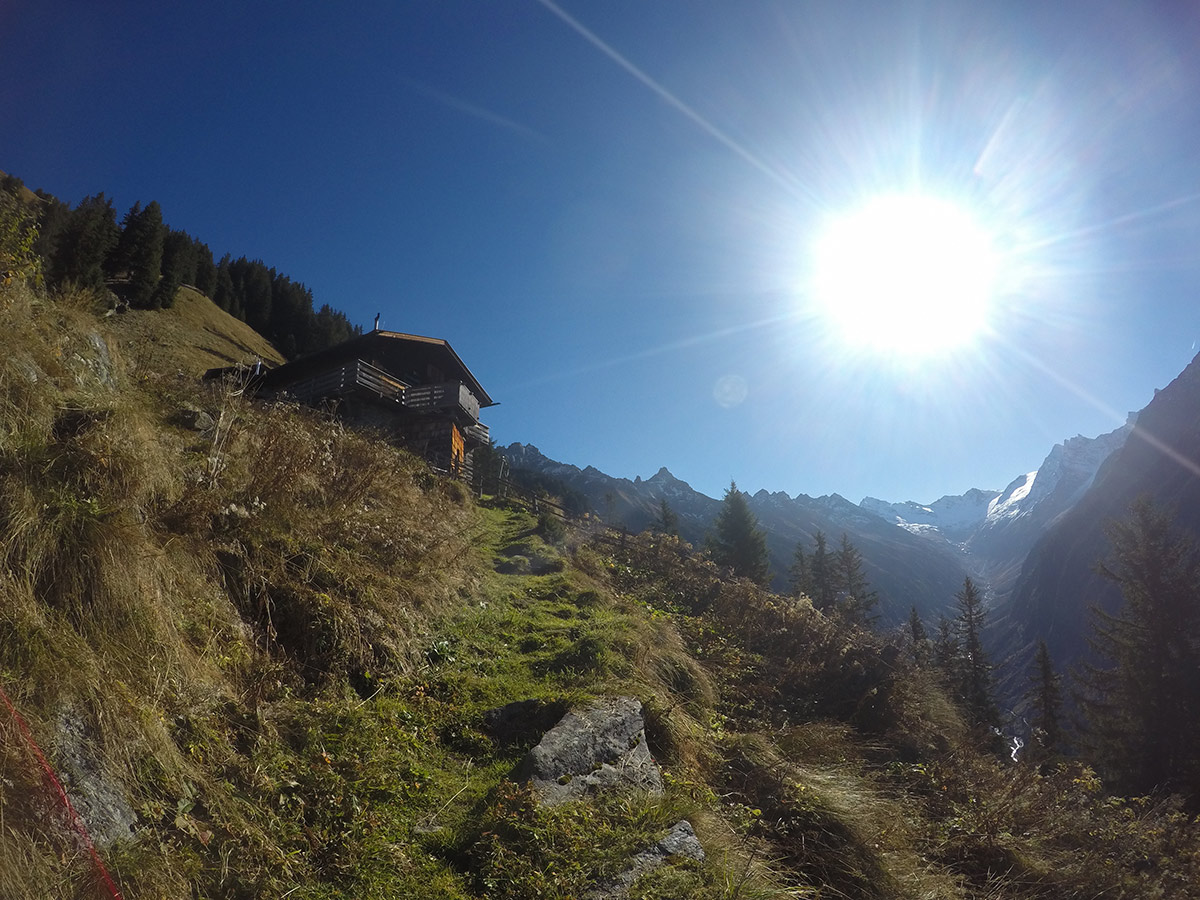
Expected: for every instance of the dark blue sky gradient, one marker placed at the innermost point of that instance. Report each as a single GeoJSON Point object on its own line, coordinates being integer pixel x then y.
{"type": "Point", "coordinates": [604, 247]}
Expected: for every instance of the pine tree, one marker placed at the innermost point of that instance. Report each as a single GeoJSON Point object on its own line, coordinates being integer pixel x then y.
{"type": "Point", "coordinates": [1143, 707]}
{"type": "Point", "coordinates": [823, 575]}
{"type": "Point", "coordinates": [738, 542]}
{"type": "Point", "coordinates": [975, 677]}
{"type": "Point", "coordinates": [800, 575]}
{"type": "Point", "coordinates": [858, 600]}
{"type": "Point", "coordinates": [1045, 701]}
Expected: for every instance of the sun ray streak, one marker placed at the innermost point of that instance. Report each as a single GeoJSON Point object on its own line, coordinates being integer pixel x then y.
{"type": "Point", "coordinates": [659, 350]}
{"type": "Point", "coordinates": [1140, 431]}
{"type": "Point", "coordinates": [789, 183]}
{"type": "Point", "coordinates": [1099, 227]}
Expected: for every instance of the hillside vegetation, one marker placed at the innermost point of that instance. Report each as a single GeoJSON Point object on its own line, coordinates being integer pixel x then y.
{"type": "Point", "coordinates": [259, 650]}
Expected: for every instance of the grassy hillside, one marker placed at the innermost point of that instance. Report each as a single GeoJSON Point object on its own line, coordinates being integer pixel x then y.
{"type": "Point", "coordinates": [260, 653]}
{"type": "Point", "coordinates": [193, 336]}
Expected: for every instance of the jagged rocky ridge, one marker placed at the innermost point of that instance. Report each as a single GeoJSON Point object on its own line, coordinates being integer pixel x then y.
{"type": "Point", "coordinates": [915, 554]}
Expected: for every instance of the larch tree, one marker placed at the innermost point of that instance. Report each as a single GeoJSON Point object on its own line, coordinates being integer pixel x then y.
{"type": "Point", "coordinates": [737, 541]}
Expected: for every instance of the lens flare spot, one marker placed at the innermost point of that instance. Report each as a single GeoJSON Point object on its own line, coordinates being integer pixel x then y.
{"type": "Point", "coordinates": [730, 391]}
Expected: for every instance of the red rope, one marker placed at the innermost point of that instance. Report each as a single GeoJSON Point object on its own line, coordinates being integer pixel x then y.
{"type": "Point", "coordinates": [64, 801]}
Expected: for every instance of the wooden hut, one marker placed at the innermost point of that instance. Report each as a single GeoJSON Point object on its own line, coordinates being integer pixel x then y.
{"type": "Point", "coordinates": [414, 389]}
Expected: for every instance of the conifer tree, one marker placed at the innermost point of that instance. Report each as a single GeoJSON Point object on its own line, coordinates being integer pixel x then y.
{"type": "Point", "coordinates": [975, 676]}
{"type": "Point", "coordinates": [206, 271]}
{"type": "Point", "coordinates": [920, 638]}
{"type": "Point", "coordinates": [946, 650]}
{"type": "Point", "coordinates": [858, 600]}
{"type": "Point", "coordinates": [1045, 700]}
{"type": "Point", "coordinates": [1143, 705]}
{"type": "Point", "coordinates": [666, 521]}
{"type": "Point", "coordinates": [738, 542]}
{"type": "Point", "coordinates": [800, 575]}
{"type": "Point", "coordinates": [823, 574]}
{"type": "Point", "coordinates": [139, 252]}
{"type": "Point", "coordinates": [224, 294]}
{"type": "Point", "coordinates": [84, 242]}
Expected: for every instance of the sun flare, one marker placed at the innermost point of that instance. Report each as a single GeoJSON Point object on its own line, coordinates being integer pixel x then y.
{"type": "Point", "coordinates": [906, 274]}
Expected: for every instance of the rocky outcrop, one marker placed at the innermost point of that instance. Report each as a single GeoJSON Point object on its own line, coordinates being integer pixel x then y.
{"type": "Point", "coordinates": [678, 843]}
{"type": "Point", "coordinates": [598, 748]}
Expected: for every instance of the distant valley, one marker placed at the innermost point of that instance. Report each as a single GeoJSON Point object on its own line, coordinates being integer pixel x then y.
{"type": "Point", "coordinates": [1032, 546]}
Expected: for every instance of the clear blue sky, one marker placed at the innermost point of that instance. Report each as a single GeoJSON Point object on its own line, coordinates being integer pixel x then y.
{"type": "Point", "coordinates": [609, 208]}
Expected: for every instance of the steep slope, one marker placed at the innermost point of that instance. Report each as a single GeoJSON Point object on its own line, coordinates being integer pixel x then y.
{"type": "Point", "coordinates": [269, 658]}
{"type": "Point", "coordinates": [1059, 582]}
{"type": "Point", "coordinates": [997, 529]}
{"type": "Point", "coordinates": [907, 569]}
{"type": "Point", "coordinates": [193, 335]}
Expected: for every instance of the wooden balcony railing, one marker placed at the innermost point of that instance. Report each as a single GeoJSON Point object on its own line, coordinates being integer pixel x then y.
{"type": "Point", "coordinates": [453, 396]}
{"type": "Point", "coordinates": [346, 380]}
{"type": "Point", "coordinates": [449, 395]}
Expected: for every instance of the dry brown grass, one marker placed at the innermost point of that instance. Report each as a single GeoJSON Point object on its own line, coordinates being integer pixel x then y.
{"type": "Point", "coordinates": [192, 336]}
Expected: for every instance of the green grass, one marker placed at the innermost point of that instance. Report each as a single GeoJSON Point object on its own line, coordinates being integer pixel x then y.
{"type": "Point", "coordinates": [280, 644]}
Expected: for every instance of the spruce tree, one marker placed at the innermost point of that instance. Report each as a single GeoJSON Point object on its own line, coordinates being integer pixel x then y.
{"type": "Point", "coordinates": [139, 252]}
{"type": "Point", "coordinates": [224, 294]}
{"type": "Point", "coordinates": [85, 240]}
{"type": "Point", "coordinates": [946, 650]}
{"type": "Point", "coordinates": [666, 521]}
{"type": "Point", "coordinates": [858, 600]}
{"type": "Point", "coordinates": [975, 676]}
{"type": "Point", "coordinates": [738, 542]}
{"type": "Point", "coordinates": [799, 575]}
{"type": "Point", "coordinates": [1045, 702]}
{"type": "Point", "coordinates": [920, 638]}
{"type": "Point", "coordinates": [823, 574]}
{"type": "Point", "coordinates": [1142, 702]}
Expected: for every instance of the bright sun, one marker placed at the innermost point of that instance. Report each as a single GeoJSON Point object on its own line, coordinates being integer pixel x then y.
{"type": "Point", "coordinates": [906, 274]}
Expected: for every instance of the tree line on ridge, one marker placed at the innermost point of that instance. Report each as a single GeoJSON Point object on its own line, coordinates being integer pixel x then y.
{"type": "Point", "coordinates": [145, 262]}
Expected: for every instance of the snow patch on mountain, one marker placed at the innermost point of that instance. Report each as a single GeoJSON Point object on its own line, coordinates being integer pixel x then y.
{"type": "Point", "coordinates": [952, 515]}
{"type": "Point", "coordinates": [1055, 486]}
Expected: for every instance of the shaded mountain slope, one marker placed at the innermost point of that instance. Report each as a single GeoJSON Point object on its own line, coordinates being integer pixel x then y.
{"type": "Point", "coordinates": [1059, 581]}
{"type": "Point", "coordinates": [907, 569]}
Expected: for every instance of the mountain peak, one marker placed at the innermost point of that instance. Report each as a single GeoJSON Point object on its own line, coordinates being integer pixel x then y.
{"type": "Point", "coordinates": [662, 476]}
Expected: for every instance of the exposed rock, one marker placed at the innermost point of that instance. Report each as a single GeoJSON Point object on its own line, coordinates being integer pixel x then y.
{"type": "Point", "coordinates": [193, 417]}
{"type": "Point", "coordinates": [598, 748]}
{"type": "Point", "coordinates": [28, 368]}
{"type": "Point", "coordinates": [98, 797]}
{"type": "Point", "coordinates": [679, 842]}
{"type": "Point", "coordinates": [96, 368]}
